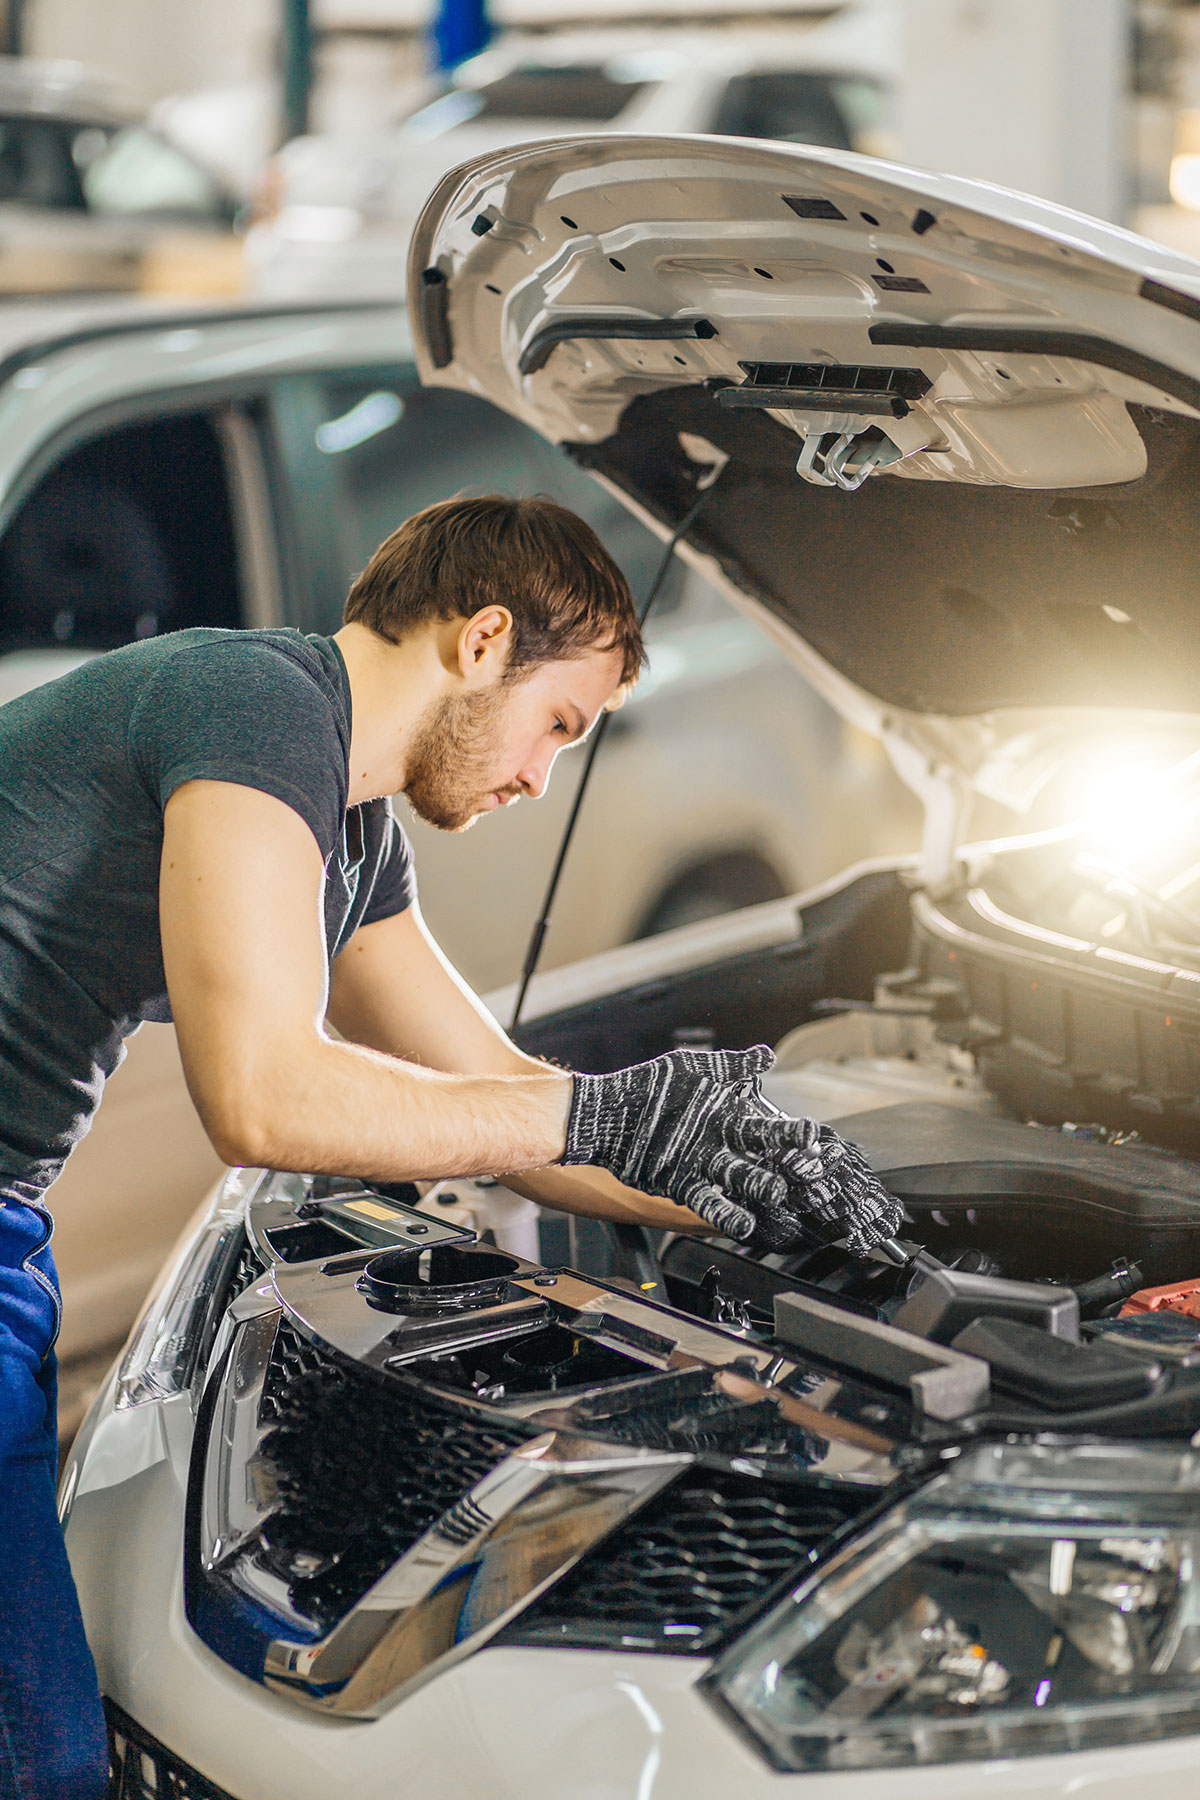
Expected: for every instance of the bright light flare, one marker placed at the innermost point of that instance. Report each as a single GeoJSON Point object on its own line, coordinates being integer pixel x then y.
{"type": "Point", "coordinates": [1184, 180]}
{"type": "Point", "coordinates": [1132, 806]}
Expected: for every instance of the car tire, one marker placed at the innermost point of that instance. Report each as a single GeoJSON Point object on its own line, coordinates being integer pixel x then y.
{"type": "Point", "coordinates": [719, 884]}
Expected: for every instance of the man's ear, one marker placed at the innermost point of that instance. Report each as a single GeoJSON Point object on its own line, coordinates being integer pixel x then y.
{"type": "Point", "coordinates": [483, 645]}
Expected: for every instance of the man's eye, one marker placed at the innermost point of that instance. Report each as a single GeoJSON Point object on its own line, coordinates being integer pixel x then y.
{"type": "Point", "coordinates": [560, 725]}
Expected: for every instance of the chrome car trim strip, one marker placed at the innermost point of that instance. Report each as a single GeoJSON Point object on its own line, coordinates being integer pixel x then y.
{"type": "Point", "coordinates": [492, 1553]}
{"type": "Point", "coordinates": [230, 1509]}
{"type": "Point", "coordinates": [651, 1334]}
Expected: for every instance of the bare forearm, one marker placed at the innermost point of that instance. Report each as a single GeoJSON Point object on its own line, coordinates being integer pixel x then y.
{"type": "Point", "coordinates": [338, 1108]}
{"type": "Point", "coordinates": [596, 1194]}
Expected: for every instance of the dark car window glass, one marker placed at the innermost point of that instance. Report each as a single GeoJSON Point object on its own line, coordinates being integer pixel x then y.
{"type": "Point", "coordinates": [128, 536]}
{"type": "Point", "coordinates": [376, 451]}
{"type": "Point", "coordinates": [786, 104]}
{"type": "Point", "coordinates": [36, 165]}
{"type": "Point", "coordinates": [580, 92]}
{"type": "Point", "coordinates": [864, 103]}
{"type": "Point", "coordinates": [134, 171]}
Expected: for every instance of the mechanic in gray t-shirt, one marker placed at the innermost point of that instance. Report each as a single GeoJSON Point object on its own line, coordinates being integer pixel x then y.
{"type": "Point", "coordinates": [87, 766]}
{"type": "Point", "coordinates": [197, 828]}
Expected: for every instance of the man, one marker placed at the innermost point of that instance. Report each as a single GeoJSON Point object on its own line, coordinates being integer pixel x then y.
{"type": "Point", "coordinates": [197, 827]}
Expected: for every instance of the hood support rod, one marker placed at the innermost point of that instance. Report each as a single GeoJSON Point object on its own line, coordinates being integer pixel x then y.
{"type": "Point", "coordinates": [538, 935]}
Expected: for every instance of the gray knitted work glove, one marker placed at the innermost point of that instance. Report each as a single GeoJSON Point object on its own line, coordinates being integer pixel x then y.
{"type": "Point", "coordinates": [694, 1126]}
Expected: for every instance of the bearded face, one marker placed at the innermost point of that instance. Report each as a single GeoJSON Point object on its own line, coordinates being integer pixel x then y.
{"type": "Point", "coordinates": [455, 760]}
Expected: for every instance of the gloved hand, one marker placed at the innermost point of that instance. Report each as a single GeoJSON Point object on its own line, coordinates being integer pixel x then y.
{"type": "Point", "coordinates": [694, 1126]}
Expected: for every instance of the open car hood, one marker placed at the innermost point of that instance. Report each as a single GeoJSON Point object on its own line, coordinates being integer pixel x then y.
{"type": "Point", "coordinates": [1019, 385]}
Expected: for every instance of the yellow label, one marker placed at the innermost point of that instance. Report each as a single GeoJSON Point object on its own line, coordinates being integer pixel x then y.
{"type": "Point", "coordinates": [372, 1209]}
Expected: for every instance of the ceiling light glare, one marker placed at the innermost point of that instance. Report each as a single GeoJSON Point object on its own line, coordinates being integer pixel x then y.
{"type": "Point", "coordinates": [318, 224]}
{"type": "Point", "coordinates": [1185, 180]}
{"type": "Point", "coordinates": [377, 412]}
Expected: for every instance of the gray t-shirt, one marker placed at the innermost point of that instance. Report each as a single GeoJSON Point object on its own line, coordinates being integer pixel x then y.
{"type": "Point", "coordinates": [87, 764]}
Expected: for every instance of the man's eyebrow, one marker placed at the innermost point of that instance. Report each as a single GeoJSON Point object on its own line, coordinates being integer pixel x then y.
{"type": "Point", "coordinates": [579, 726]}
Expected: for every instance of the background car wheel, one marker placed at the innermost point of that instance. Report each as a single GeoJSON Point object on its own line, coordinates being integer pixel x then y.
{"type": "Point", "coordinates": [718, 885]}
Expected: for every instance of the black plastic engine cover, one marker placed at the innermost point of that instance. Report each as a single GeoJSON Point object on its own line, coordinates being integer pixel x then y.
{"type": "Point", "coordinates": [1046, 1205]}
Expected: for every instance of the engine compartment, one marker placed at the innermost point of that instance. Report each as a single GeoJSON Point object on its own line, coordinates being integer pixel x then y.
{"type": "Point", "coordinates": [632, 1444]}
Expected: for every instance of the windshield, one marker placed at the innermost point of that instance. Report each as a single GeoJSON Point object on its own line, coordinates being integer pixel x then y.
{"type": "Point", "coordinates": [581, 91]}
{"type": "Point", "coordinates": [102, 169]}
{"type": "Point", "coordinates": [134, 171]}
{"type": "Point", "coordinates": [800, 107]}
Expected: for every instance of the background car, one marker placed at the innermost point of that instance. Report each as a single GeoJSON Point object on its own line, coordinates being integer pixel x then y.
{"type": "Point", "coordinates": [339, 206]}
{"type": "Point", "coordinates": [158, 471]}
{"type": "Point", "coordinates": [363, 1505]}
{"type": "Point", "coordinates": [92, 198]}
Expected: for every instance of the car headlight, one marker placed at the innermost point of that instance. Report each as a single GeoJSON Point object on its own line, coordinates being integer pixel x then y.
{"type": "Point", "coordinates": [1035, 1599]}
{"type": "Point", "coordinates": [163, 1352]}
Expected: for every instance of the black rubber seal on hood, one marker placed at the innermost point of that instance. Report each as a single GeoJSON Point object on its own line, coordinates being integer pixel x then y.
{"type": "Point", "coordinates": [1160, 295]}
{"type": "Point", "coordinates": [1033, 340]}
{"type": "Point", "coordinates": [435, 317]}
{"type": "Point", "coordinates": [536, 353]}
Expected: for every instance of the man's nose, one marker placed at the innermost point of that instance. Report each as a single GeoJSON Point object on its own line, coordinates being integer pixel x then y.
{"type": "Point", "coordinates": [535, 774]}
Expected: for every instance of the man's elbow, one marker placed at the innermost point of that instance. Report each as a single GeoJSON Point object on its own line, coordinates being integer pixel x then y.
{"type": "Point", "coordinates": [255, 1093]}
{"type": "Point", "coordinates": [242, 1140]}
{"type": "Point", "coordinates": [247, 1124]}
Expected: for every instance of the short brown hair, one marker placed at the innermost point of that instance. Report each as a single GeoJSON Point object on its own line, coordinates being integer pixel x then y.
{"type": "Point", "coordinates": [565, 593]}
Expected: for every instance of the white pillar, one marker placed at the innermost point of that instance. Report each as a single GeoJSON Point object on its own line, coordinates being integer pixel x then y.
{"type": "Point", "coordinates": [1031, 94]}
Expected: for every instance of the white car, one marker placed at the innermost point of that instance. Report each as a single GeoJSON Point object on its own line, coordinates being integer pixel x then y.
{"type": "Point", "coordinates": [338, 206]}
{"type": "Point", "coordinates": [88, 187]}
{"type": "Point", "coordinates": [368, 1508]}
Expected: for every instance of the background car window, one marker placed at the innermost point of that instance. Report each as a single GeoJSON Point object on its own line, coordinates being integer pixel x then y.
{"type": "Point", "coordinates": [787, 104]}
{"type": "Point", "coordinates": [36, 164]}
{"type": "Point", "coordinates": [363, 454]}
{"type": "Point", "coordinates": [135, 171]}
{"type": "Point", "coordinates": [584, 91]}
{"type": "Point", "coordinates": [128, 536]}
{"type": "Point", "coordinates": [865, 105]}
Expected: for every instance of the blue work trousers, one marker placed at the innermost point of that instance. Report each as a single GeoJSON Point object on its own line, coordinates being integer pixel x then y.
{"type": "Point", "coordinates": [52, 1737]}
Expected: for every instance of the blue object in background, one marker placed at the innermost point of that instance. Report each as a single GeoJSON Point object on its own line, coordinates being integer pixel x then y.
{"type": "Point", "coordinates": [461, 29]}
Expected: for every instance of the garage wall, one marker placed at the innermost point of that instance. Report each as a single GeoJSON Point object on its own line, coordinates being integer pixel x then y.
{"type": "Point", "coordinates": [158, 46]}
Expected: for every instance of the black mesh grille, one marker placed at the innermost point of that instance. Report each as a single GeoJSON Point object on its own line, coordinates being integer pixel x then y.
{"type": "Point", "coordinates": [360, 1471]}
{"type": "Point", "coordinates": [685, 1568]}
{"type": "Point", "coordinates": [246, 1269]}
{"type": "Point", "coordinates": [143, 1769]}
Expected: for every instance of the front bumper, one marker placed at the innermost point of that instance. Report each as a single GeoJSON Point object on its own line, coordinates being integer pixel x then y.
{"type": "Point", "coordinates": [508, 1724]}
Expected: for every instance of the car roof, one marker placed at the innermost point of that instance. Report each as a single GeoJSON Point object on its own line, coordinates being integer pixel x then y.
{"type": "Point", "coordinates": [661, 54]}
{"type": "Point", "coordinates": [858, 38]}
{"type": "Point", "coordinates": [34, 328]}
{"type": "Point", "coordinates": [65, 90]}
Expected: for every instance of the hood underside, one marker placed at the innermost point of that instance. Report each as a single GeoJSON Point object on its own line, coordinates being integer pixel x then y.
{"type": "Point", "coordinates": [957, 430]}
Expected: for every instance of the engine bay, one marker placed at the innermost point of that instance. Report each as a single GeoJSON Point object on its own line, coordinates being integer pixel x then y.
{"type": "Point", "coordinates": [612, 1440]}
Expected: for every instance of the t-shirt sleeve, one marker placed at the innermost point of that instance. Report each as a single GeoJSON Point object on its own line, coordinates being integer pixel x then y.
{"type": "Point", "coordinates": [243, 712]}
{"type": "Point", "coordinates": [394, 887]}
